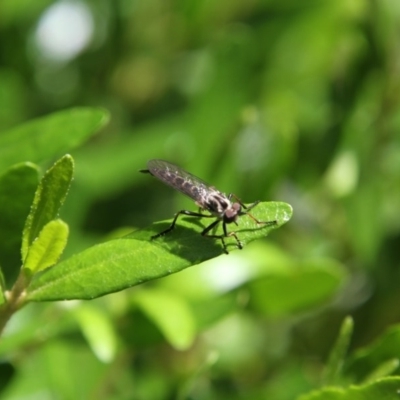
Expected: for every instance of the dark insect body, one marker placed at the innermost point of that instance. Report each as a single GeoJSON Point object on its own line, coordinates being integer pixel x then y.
{"type": "Point", "coordinates": [207, 197]}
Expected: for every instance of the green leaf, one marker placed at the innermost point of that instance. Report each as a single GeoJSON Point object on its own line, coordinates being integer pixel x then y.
{"type": "Point", "coordinates": [49, 136]}
{"type": "Point", "coordinates": [48, 247]}
{"type": "Point", "coordinates": [17, 188]}
{"type": "Point", "coordinates": [98, 330]}
{"type": "Point", "coordinates": [338, 353]}
{"type": "Point", "coordinates": [384, 369]}
{"type": "Point", "coordinates": [49, 197]}
{"type": "Point", "coordinates": [297, 287]}
{"type": "Point", "coordinates": [84, 372]}
{"type": "Point", "coordinates": [171, 314]}
{"type": "Point", "coordinates": [382, 389]}
{"type": "Point", "coordinates": [365, 361]}
{"type": "Point", "coordinates": [2, 288]}
{"type": "Point", "coordinates": [131, 260]}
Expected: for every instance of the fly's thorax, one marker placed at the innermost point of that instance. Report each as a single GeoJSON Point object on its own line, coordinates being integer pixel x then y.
{"type": "Point", "coordinates": [217, 203]}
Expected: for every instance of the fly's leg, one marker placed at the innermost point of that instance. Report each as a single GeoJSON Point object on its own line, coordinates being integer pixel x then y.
{"type": "Point", "coordinates": [266, 223]}
{"type": "Point", "coordinates": [248, 208]}
{"type": "Point", "coordinates": [231, 195]}
{"type": "Point", "coordinates": [239, 243]}
{"type": "Point", "coordinates": [172, 226]}
{"type": "Point", "coordinates": [246, 212]}
{"type": "Point", "coordinates": [208, 229]}
{"type": "Point", "coordinates": [221, 237]}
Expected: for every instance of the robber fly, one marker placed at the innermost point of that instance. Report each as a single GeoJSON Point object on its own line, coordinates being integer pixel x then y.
{"type": "Point", "coordinates": [207, 197]}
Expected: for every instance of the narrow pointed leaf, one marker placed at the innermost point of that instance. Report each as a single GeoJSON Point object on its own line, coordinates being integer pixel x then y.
{"type": "Point", "coordinates": [49, 197]}
{"type": "Point", "coordinates": [48, 247]}
{"type": "Point", "coordinates": [17, 188]}
{"type": "Point", "coordinates": [382, 389]}
{"type": "Point", "coordinates": [337, 357]}
{"type": "Point", "coordinates": [365, 361]}
{"type": "Point", "coordinates": [2, 288]}
{"type": "Point", "coordinates": [133, 259]}
{"type": "Point", "coordinates": [382, 370]}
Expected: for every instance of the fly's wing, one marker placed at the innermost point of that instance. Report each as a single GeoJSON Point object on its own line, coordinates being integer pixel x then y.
{"type": "Point", "coordinates": [179, 179]}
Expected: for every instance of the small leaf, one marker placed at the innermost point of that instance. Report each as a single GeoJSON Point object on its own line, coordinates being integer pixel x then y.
{"type": "Point", "coordinates": [49, 136]}
{"type": "Point", "coordinates": [49, 197]}
{"type": "Point", "coordinates": [382, 389]}
{"type": "Point", "coordinates": [134, 259]}
{"type": "Point", "coordinates": [338, 353]}
{"type": "Point", "coordinates": [48, 247]}
{"type": "Point", "coordinates": [17, 188]}
{"type": "Point", "coordinates": [171, 314]}
{"type": "Point", "coordinates": [382, 370]}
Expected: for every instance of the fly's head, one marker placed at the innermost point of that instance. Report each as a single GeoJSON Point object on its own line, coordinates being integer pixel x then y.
{"type": "Point", "coordinates": [232, 213]}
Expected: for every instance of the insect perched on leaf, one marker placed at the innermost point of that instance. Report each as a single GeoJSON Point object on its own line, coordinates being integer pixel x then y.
{"type": "Point", "coordinates": [207, 197]}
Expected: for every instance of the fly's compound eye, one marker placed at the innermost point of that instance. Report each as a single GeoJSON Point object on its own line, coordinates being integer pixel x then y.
{"type": "Point", "coordinates": [237, 207]}
{"type": "Point", "coordinates": [232, 213]}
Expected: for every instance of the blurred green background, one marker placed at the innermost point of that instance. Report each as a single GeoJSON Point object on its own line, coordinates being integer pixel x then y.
{"type": "Point", "coordinates": [272, 100]}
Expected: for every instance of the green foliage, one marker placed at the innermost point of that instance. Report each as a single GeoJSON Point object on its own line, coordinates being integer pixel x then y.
{"type": "Point", "coordinates": [48, 246]}
{"type": "Point", "coordinates": [49, 198]}
{"type": "Point", "coordinates": [386, 388]}
{"type": "Point", "coordinates": [333, 371]}
{"type": "Point", "coordinates": [366, 361]}
{"type": "Point", "coordinates": [171, 314]}
{"type": "Point", "coordinates": [294, 102]}
{"type": "Point", "coordinates": [133, 259]}
{"type": "Point", "coordinates": [310, 283]}
{"type": "Point", "coordinates": [49, 136]}
{"type": "Point", "coordinates": [17, 188]}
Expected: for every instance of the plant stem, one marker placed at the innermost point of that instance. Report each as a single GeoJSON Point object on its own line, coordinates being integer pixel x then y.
{"type": "Point", "coordinates": [14, 300]}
